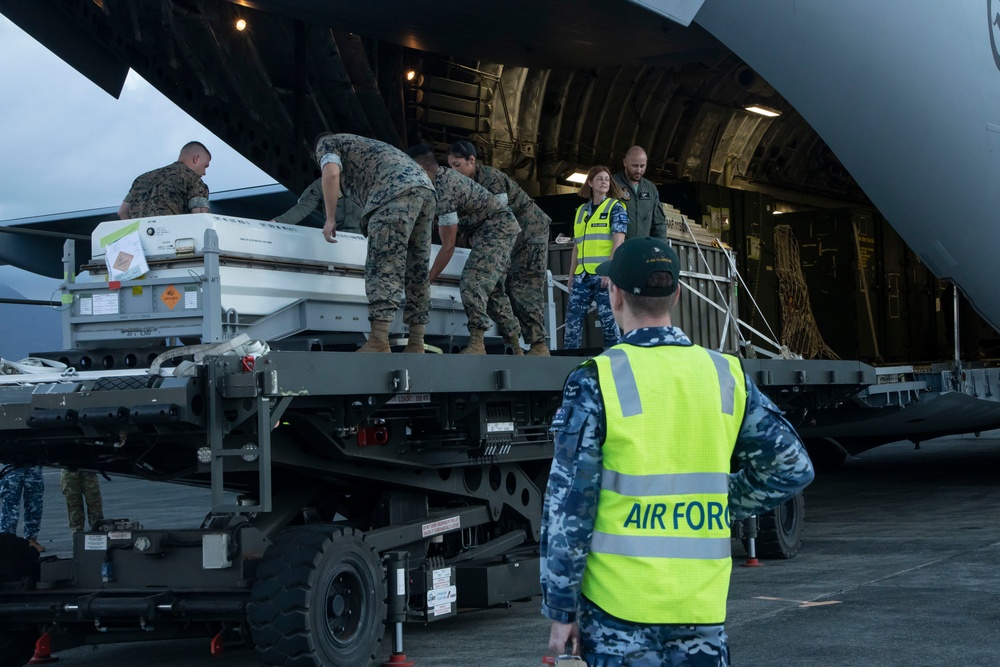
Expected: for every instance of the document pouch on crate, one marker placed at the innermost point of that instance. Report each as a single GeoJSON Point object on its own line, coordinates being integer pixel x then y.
{"type": "Point", "coordinates": [123, 254]}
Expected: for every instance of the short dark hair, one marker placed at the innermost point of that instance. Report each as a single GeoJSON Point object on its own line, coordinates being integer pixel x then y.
{"type": "Point", "coordinates": [423, 154]}
{"type": "Point", "coordinates": [463, 149]}
{"type": "Point", "coordinates": [324, 133]}
{"type": "Point", "coordinates": [195, 147]}
{"type": "Point", "coordinates": [651, 306]}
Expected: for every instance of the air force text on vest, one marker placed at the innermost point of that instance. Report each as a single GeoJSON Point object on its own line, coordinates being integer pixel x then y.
{"type": "Point", "coordinates": [696, 514]}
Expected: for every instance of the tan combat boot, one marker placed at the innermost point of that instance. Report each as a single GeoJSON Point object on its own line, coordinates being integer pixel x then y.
{"type": "Point", "coordinates": [415, 345]}
{"type": "Point", "coordinates": [514, 341]}
{"type": "Point", "coordinates": [378, 340]}
{"type": "Point", "coordinates": [33, 542]}
{"type": "Point", "coordinates": [538, 350]}
{"type": "Point", "coordinates": [476, 344]}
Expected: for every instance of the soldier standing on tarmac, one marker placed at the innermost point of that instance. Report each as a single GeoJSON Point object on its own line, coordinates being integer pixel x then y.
{"type": "Point", "coordinates": [397, 201]}
{"type": "Point", "coordinates": [641, 198]}
{"type": "Point", "coordinates": [491, 229]}
{"type": "Point", "coordinates": [172, 190]}
{"type": "Point", "coordinates": [526, 278]}
{"type": "Point", "coordinates": [635, 539]}
{"type": "Point", "coordinates": [78, 486]}
{"type": "Point", "coordinates": [23, 481]}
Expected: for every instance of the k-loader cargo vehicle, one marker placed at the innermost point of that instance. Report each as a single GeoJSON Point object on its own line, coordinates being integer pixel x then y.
{"type": "Point", "coordinates": [349, 491]}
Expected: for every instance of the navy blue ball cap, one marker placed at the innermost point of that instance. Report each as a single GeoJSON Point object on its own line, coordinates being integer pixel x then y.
{"type": "Point", "coordinates": [635, 260]}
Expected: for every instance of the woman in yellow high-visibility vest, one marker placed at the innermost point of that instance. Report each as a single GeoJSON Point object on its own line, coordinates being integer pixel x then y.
{"type": "Point", "coordinates": [599, 227]}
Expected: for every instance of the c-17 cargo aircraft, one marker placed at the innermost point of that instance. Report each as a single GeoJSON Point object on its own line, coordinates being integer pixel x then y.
{"type": "Point", "coordinates": [882, 120]}
{"type": "Point", "coordinates": [873, 130]}
{"type": "Point", "coordinates": [869, 128]}
{"type": "Point", "coordinates": [905, 98]}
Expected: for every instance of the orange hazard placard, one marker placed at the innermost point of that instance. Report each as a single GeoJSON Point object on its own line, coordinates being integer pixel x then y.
{"type": "Point", "coordinates": [170, 297]}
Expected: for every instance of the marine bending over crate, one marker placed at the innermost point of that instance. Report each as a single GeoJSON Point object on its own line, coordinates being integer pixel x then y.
{"type": "Point", "coordinates": [397, 200]}
{"type": "Point", "coordinates": [491, 229]}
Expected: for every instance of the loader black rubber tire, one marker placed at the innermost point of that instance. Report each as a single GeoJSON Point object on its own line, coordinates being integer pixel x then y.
{"type": "Point", "coordinates": [17, 647]}
{"type": "Point", "coordinates": [20, 567]}
{"type": "Point", "coordinates": [318, 599]}
{"type": "Point", "coordinates": [779, 532]}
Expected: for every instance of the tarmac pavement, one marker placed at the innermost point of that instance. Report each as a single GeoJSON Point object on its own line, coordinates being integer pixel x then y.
{"type": "Point", "coordinates": [898, 567]}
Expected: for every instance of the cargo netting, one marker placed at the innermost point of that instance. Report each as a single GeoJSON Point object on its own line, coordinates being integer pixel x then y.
{"type": "Point", "coordinates": [799, 331]}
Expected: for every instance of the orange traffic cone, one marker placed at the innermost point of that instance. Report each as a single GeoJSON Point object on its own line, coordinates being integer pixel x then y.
{"type": "Point", "coordinates": [43, 651]}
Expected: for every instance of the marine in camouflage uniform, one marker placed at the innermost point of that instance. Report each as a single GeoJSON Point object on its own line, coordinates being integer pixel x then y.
{"type": "Point", "coordinates": [171, 190]}
{"type": "Point", "coordinates": [526, 279]}
{"type": "Point", "coordinates": [77, 487]}
{"type": "Point", "coordinates": [586, 288]}
{"type": "Point", "coordinates": [773, 467]}
{"type": "Point", "coordinates": [491, 229]}
{"type": "Point", "coordinates": [23, 481]}
{"type": "Point", "coordinates": [397, 209]}
{"type": "Point", "coordinates": [348, 214]}
{"type": "Point", "coordinates": [525, 282]}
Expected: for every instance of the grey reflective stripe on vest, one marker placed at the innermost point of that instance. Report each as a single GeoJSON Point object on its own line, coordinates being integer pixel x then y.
{"type": "Point", "coordinates": [665, 485]}
{"type": "Point", "coordinates": [594, 237]}
{"type": "Point", "coordinates": [726, 381]}
{"type": "Point", "coordinates": [580, 261]}
{"type": "Point", "coordinates": [702, 548]}
{"type": "Point", "coordinates": [628, 390]}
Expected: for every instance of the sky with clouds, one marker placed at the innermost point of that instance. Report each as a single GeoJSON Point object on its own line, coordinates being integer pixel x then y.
{"type": "Point", "coordinates": [66, 145]}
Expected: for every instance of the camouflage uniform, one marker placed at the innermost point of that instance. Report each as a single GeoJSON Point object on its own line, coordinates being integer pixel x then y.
{"type": "Point", "coordinates": [26, 481]}
{"type": "Point", "coordinates": [586, 288]}
{"type": "Point", "coordinates": [348, 214]}
{"type": "Point", "coordinates": [171, 190]}
{"type": "Point", "coordinates": [773, 467]}
{"type": "Point", "coordinates": [77, 487]}
{"type": "Point", "coordinates": [525, 282]}
{"type": "Point", "coordinates": [645, 215]}
{"type": "Point", "coordinates": [491, 229]}
{"type": "Point", "coordinates": [397, 201]}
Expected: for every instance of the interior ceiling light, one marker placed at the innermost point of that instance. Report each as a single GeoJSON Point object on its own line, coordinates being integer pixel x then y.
{"type": "Point", "coordinates": [577, 177]}
{"type": "Point", "coordinates": [762, 110]}
{"type": "Point", "coordinates": [241, 25]}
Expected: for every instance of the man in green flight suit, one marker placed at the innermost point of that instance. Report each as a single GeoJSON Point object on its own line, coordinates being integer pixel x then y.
{"type": "Point", "coordinates": [641, 198]}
